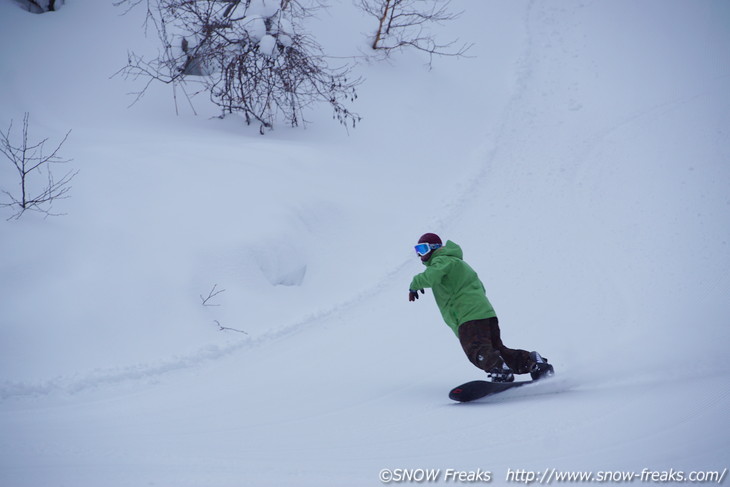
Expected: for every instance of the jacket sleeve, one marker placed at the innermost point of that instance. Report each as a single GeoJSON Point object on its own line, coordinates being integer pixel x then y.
{"type": "Point", "coordinates": [431, 276]}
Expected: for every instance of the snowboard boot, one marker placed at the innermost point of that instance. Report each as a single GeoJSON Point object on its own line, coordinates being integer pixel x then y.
{"type": "Point", "coordinates": [541, 368]}
{"type": "Point", "coordinates": [501, 374]}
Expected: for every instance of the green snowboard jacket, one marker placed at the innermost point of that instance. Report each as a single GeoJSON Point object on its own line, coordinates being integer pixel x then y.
{"type": "Point", "coordinates": [456, 287]}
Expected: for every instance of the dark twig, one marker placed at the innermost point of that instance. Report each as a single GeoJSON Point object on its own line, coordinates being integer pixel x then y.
{"type": "Point", "coordinates": [213, 293]}
{"type": "Point", "coordinates": [225, 328]}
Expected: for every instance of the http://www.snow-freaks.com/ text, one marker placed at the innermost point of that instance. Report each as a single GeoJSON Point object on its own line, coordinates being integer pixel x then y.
{"type": "Point", "coordinates": [548, 476]}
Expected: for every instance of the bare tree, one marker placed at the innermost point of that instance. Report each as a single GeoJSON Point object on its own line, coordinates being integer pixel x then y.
{"type": "Point", "coordinates": [252, 57]}
{"type": "Point", "coordinates": [407, 24]}
{"type": "Point", "coordinates": [31, 162]}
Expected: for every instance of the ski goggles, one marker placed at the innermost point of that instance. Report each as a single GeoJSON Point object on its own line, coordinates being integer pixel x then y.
{"type": "Point", "coordinates": [424, 248]}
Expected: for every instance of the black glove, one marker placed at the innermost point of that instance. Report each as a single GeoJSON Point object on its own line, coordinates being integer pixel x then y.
{"type": "Point", "coordinates": [413, 295]}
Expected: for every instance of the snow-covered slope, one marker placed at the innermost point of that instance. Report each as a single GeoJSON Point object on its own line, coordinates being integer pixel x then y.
{"type": "Point", "coordinates": [580, 158]}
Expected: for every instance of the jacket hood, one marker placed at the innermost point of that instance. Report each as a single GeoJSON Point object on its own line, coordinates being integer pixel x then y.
{"type": "Point", "coordinates": [450, 249]}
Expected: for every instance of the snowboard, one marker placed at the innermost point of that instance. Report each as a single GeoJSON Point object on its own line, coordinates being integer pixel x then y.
{"type": "Point", "coordinates": [477, 389]}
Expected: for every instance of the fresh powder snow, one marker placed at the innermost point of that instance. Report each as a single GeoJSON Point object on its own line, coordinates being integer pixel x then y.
{"type": "Point", "coordinates": [220, 308]}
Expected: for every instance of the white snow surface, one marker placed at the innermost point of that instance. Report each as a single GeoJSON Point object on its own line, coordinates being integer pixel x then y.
{"type": "Point", "coordinates": [580, 156]}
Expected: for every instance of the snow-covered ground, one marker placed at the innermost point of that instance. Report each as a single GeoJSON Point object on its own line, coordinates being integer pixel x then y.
{"type": "Point", "coordinates": [580, 156]}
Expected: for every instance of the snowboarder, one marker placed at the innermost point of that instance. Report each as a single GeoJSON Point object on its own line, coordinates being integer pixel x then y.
{"type": "Point", "coordinates": [463, 303]}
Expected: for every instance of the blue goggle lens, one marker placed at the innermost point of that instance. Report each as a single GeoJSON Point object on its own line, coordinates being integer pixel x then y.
{"type": "Point", "coordinates": [424, 248]}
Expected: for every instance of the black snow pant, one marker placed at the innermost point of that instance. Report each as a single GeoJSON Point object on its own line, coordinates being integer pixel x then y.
{"type": "Point", "coordinates": [482, 344]}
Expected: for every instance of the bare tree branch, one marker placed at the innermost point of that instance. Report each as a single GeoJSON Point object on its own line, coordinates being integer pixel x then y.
{"type": "Point", "coordinates": [213, 293]}
{"type": "Point", "coordinates": [224, 328]}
